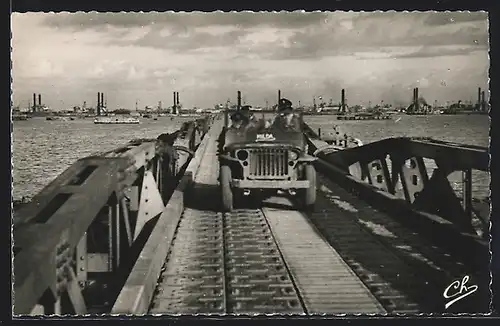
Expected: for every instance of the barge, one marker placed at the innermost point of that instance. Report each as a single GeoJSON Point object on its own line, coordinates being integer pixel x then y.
{"type": "Point", "coordinates": [116, 120]}
{"type": "Point", "coordinates": [365, 117]}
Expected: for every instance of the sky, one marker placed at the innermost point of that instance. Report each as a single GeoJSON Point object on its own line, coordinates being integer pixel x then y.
{"type": "Point", "coordinates": [208, 57]}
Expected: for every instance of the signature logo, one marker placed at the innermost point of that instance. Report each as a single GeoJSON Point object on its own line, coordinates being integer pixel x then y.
{"type": "Point", "coordinates": [458, 290]}
{"type": "Point", "coordinates": [265, 137]}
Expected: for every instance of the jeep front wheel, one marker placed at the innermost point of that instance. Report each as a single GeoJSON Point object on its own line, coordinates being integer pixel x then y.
{"type": "Point", "coordinates": [310, 193]}
{"type": "Point", "coordinates": [225, 184]}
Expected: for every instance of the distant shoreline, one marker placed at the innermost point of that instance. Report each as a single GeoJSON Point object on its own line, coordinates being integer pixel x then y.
{"type": "Point", "coordinates": [26, 116]}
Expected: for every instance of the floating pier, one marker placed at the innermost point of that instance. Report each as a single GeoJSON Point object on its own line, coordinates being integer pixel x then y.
{"type": "Point", "coordinates": [139, 230]}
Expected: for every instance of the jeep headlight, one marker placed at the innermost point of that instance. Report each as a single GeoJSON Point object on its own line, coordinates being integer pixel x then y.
{"type": "Point", "coordinates": [242, 154]}
{"type": "Point", "coordinates": [292, 155]}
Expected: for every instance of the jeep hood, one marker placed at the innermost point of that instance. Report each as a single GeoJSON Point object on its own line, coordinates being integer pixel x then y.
{"type": "Point", "coordinates": [266, 137]}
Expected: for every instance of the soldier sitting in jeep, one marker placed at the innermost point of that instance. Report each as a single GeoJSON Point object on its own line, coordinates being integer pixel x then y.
{"type": "Point", "coordinates": [252, 121]}
{"type": "Point", "coordinates": [238, 120]}
{"type": "Point", "coordinates": [286, 118]}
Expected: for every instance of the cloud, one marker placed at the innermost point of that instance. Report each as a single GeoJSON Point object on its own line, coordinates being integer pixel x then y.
{"type": "Point", "coordinates": [446, 18]}
{"type": "Point", "coordinates": [95, 20]}
{"type": "Point", "coordinates": [311, 35]}
{"type": "Point", "coordinates": [207, 57]}
{"type": "Point", "coordinates": [365, 32]}
{"type": "Point", "coordinates": [181, 31]}
{"type": "Point", "coordinates": [432, 52]}
{"type": "Point", "coordinates": [182, 41]}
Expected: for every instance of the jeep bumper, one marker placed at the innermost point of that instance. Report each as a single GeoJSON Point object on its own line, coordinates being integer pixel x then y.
{"type": "Point", "coordinates": [270, 184]}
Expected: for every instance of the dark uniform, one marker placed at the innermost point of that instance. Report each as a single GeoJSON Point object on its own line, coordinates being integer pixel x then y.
{"type": "Point", "coordinates": [169, 155]}
{"type": "Point", "coordinates": [238, 120]}
{"type": "Point", "coordinates": [286, 118]}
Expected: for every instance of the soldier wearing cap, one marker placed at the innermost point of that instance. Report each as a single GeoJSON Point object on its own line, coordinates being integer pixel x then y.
{"type": "Point", "coordinates": [285, 105]}
{"type": "Point", "coordinates": [285, 118]}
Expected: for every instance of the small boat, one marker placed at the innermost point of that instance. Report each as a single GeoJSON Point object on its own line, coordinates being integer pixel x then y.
{"type": "Point", "coordinates": [365, 116]}
{"type": "Point", "coordinates": [343, 142]}
{"type": "Point", "coordinates": [116, 120]}
{"type": "Point", "coordinates": [59, 118]}
{"type": "Point", "coordinates": [339, 139]}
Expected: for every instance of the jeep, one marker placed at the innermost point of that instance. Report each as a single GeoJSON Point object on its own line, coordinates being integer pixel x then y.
{"type": "Point", "coordinates": [264, 159]}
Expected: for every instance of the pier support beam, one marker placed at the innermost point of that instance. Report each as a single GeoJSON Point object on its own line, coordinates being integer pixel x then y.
{"type": "Point", "coordinates": [151, 202]}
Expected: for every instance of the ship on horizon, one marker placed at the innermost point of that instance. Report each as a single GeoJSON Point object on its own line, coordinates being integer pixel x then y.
{"type": "Point", "coordinates": [116, 120]}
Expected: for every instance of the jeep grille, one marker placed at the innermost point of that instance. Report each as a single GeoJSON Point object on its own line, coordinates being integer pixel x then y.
{"type": "Point", "coordinates": [268, 162]}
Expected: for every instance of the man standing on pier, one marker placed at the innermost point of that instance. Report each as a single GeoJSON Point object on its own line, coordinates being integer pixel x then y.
{"type": "Point", "coordinates": [165, 143]}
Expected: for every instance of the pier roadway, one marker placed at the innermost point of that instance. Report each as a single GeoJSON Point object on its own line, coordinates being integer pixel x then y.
{"type": "Point", "coordinates": [346, 257]}
{"type": "Point", "coordinates": [253, 261]}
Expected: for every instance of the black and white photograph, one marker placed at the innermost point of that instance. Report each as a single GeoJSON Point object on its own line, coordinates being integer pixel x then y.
{"type": "Point", "coordinates": [250, 163]}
